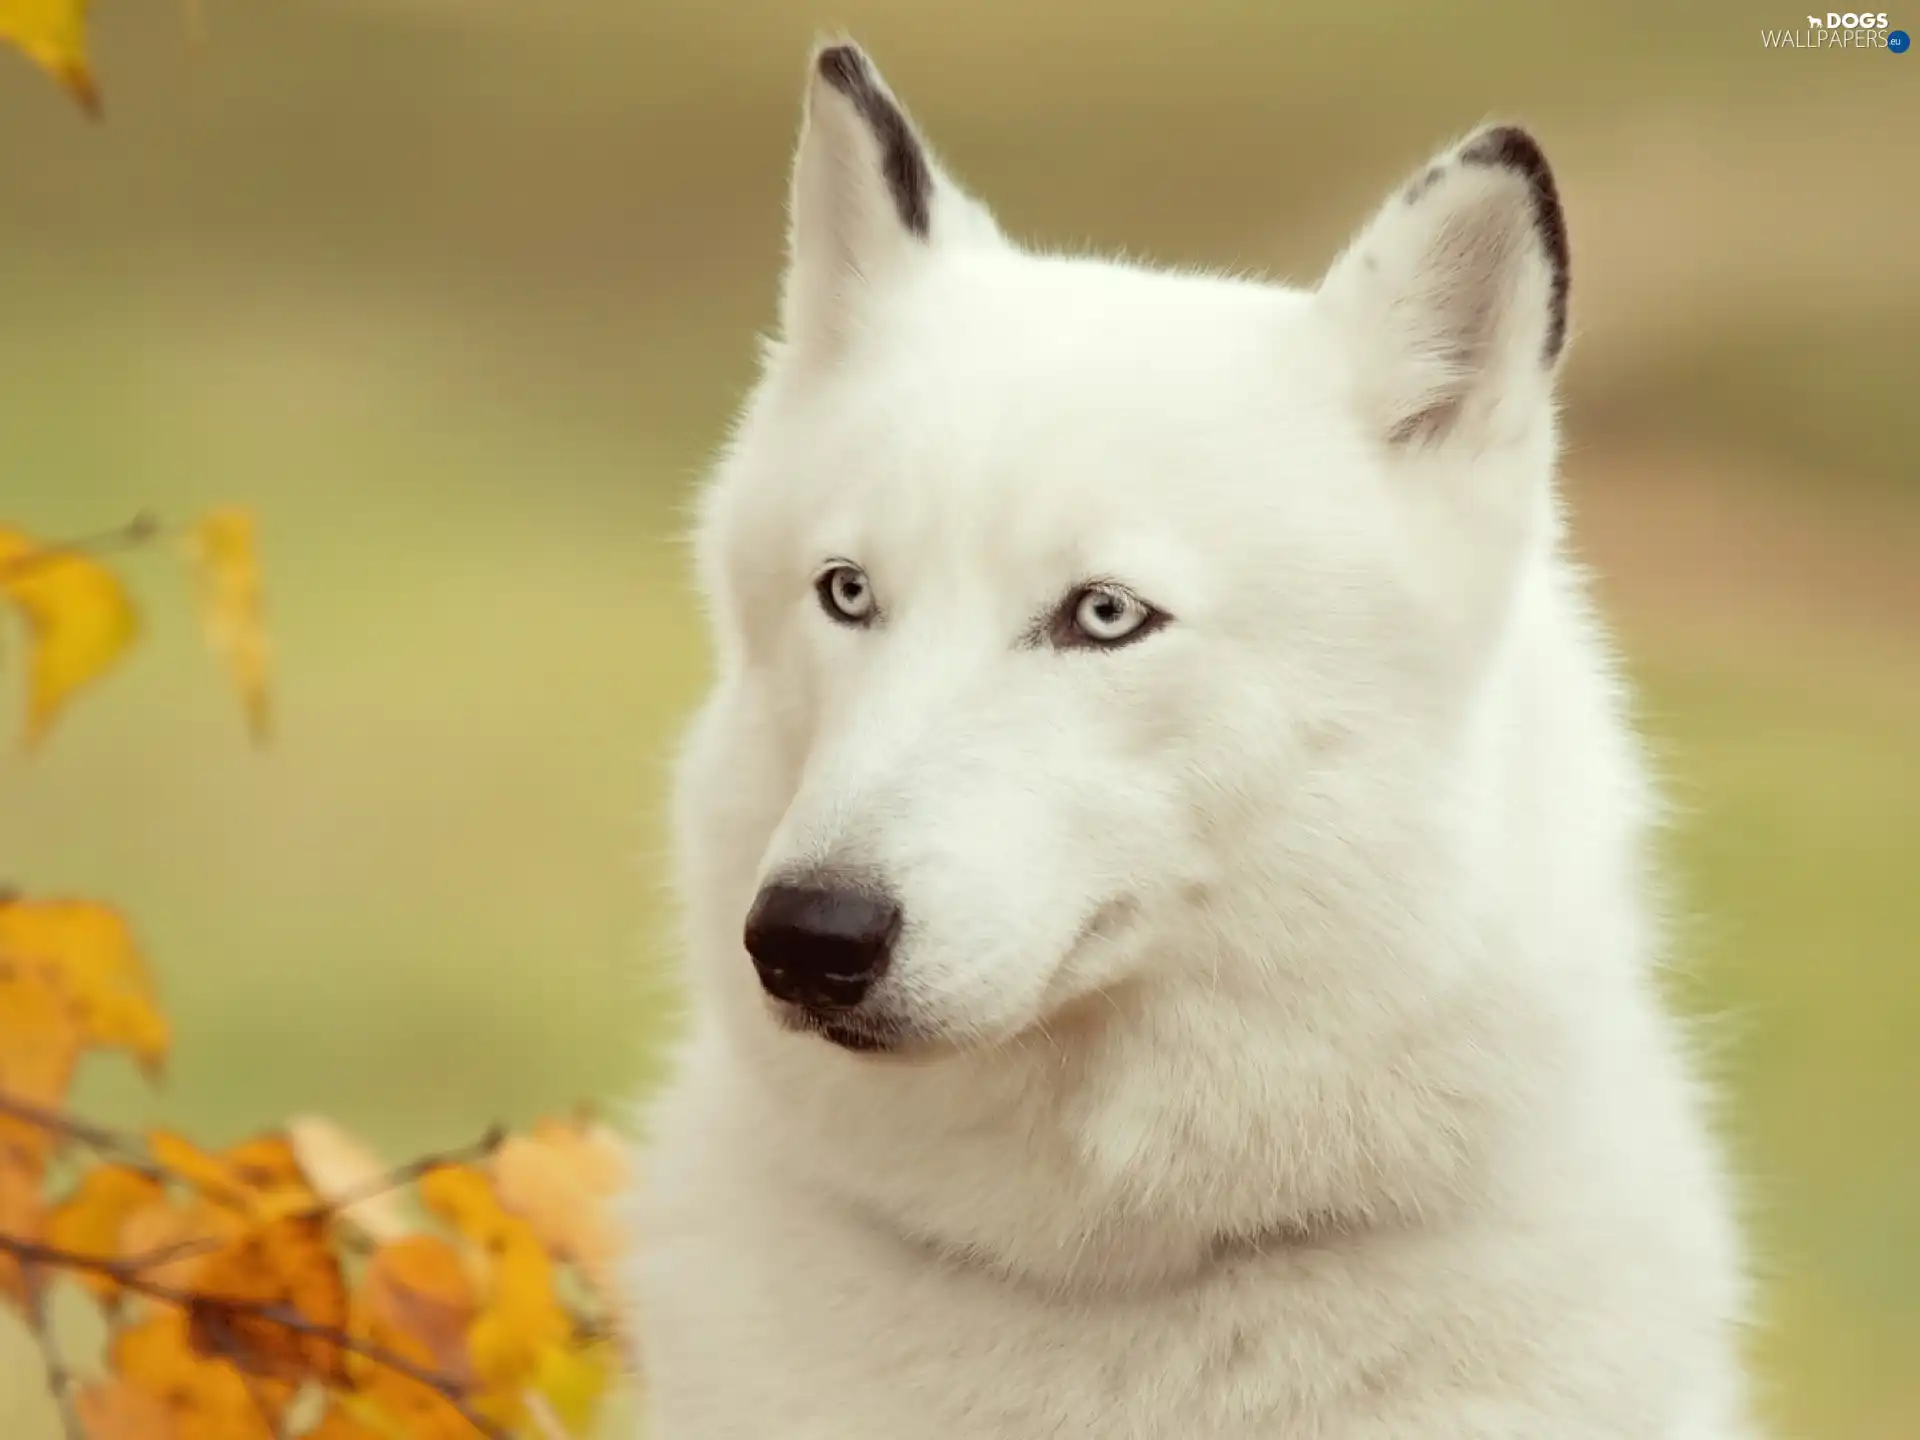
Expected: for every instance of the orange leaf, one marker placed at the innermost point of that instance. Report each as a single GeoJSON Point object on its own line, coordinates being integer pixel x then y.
{"type": "Point", "coordinates": [117, 1410]}
{"type": "Point", "coordinates": [20, 1216]}
{"type": "Point", "coordinates": [88, 953]}
{"type": "Point", "coordinates": [560, 1178]}
{"type": "Point", "coordinates": [232, 607]}
{"type": "Point", "coordinates": [209, 1399]}
{"type": "Point", "coordinates": [351, 1417]}
{"type": "Point", "coordinates": [415, 1300]}
{"type": "Point", "coordinates": [270, 1168]}
{"type": "Point", "coordinates": [89, 1221]}
{"type": "Point", "coordinates": [260, 1177]}
{"type": "Point", "coordinates": [236, 1192]}
{"type": "Point", "coordinates": [53, 34]}
{"type": "Point", "coordinates": [417, 1288]}
{"type": "Point", "coordinates": [286, 1264]}
{"type": "Point", "coordinates": [206, 1172]}
{"type": "Point", "coordinates": [79, 619]}
{"type": "Point", "coordinates": [188, 1232]}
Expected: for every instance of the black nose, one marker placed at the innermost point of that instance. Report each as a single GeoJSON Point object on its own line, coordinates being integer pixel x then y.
{"type": "Point", "coordinates": [821, 946]}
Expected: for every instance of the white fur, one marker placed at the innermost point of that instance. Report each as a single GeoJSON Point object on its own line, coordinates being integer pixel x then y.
{"type": "Point", "coordinates": [1291, 1063]}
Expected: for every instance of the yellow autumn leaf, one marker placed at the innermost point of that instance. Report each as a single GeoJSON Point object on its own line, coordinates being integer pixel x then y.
{"type": "Point", "coordinates": [79, 619]}
{"type": "Point", "coordinates": [462, 1197]}
{"type": "Point", "coordinates": [520, 1314]}
{"type": "Point", "coordinates": [87, 952]}
{"type": "Point", "coordinates": [572, 1380]}
{"type": "Point", "coordinates": [53, 34]}
{"type": "Point", "coordinates": [39, 1046]}
{"type": "Point", "coordinates": [519, 1322]}
{"type": "Point", "coordinates": [232, 607]}
{"type": "Point", "coordinates": [394, 1409]}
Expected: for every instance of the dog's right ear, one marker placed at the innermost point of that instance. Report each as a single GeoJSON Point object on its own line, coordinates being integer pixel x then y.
{"type": "Point", "coordinates": [868, 200]}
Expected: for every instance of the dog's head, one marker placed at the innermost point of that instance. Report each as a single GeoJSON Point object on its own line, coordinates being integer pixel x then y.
{"type": "Point", "coordinates": [1067, 609]}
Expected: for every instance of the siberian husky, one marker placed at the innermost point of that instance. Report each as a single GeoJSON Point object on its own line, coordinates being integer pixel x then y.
{"type": "Point", "coordinates": [1166, 873]}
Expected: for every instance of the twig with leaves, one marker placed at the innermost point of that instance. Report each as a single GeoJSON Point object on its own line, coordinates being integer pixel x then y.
{"type": "Point", "coordinates": [80, 619]}
{"type": "Point", "coordinates": [214, 1316]}
{"type": "Point", "coordinates": [237, 1282]}
{"type": "Point", "coordinates": [412, 1284]}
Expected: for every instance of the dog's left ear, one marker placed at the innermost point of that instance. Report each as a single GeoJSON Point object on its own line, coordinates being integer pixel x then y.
{"type": "Point", "coordinates": [868, 200]}
{"type": "Point", "coordinates": [1453, 300]}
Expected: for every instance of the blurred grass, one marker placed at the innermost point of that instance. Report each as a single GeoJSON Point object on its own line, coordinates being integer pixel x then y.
{"type": "Point", "coordinates": [1798, 837]}
{"type": "Point", "coordinates": [457, 296]}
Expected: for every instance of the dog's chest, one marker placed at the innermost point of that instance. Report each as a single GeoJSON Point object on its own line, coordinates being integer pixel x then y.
{"type": "Point", "coordinates": [767, 1315]}
{"type": "Point", "coordinates": [847, 1343]}
{"type": "Point", "coordinates": [774, 1321]}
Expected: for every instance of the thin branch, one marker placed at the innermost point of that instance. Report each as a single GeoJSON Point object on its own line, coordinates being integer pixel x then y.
{"type": "Point", "coordinates": [124, 1148]}
{"type": "Point", "coordinates": [143, 529]}
{"type": "Point", "coordinates": [59, 1378]}
{"type": "Point", "coordinates": [95, 1137]}
{"type": "Point", "coordinates": [127, 1277]}
{"type": "Point", "coordinates": [135, 1156]}
{"type": "Point", "coordinates": [406, 1174]}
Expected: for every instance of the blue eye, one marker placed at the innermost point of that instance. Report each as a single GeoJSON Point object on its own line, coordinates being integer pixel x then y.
{"type": "Point", "coordinates": [845, 593]}
{"type": "Point", "coordinates": [1103, 616]}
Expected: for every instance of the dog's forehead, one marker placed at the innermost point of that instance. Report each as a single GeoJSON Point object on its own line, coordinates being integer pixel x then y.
{"type": "Point", "coordinates": [1035, 397]}
{"type": "Point", "coordinates": [1075, 330]}
{"type": "Point", "coordinates": [1014, 424]}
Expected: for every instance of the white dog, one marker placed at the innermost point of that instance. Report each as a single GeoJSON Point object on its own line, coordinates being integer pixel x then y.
{"type": "Point", "coordinates": [1166, 870]}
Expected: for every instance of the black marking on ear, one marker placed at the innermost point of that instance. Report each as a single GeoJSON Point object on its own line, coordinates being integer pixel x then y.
{"type": "Point", "coordinates": [1511, 148]}
{"type": "Point", "coordinates": [1422, 183]}
{"type": "Point", "coordinates": [909, 178]}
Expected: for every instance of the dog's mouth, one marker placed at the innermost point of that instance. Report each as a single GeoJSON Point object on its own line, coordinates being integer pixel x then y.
{"type": "Point", "coordinates": [857, 1038]}
{"type": "Point", "coordinates": [851, 1030]}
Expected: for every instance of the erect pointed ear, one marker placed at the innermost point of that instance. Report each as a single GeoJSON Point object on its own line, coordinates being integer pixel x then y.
{"type": "Point", "coordinates": [1454, 297]}
{"type": "Point", "coordinates": [868, 199]}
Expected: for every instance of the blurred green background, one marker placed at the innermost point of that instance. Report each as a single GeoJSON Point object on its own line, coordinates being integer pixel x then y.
{"type": "Point", "coordinates": [458, 294]}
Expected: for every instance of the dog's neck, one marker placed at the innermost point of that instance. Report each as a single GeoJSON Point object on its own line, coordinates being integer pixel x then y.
{"type": "Point", "coordinates": [1097, 1270]}
{"type": "Point", "coordinates": [1128, 1150]}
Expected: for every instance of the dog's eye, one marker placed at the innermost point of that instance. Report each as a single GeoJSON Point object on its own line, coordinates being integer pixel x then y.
{"type": "Point", "coordinates": [845, 593]}
{"type": "Point", "coordinates": [1104, 616]}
